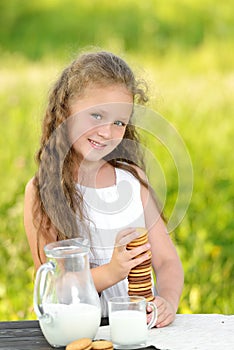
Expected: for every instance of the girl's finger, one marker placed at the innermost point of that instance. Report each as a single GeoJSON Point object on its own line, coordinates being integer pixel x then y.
{"type": "Point", "coordinates": [165, 321]}
{"type": "Point", "coordinates": [126, 236]}
{"type": "Point", "coordinates": [138, 251]}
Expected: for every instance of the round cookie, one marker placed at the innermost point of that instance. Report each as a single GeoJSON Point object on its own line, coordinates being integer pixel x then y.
{"type": "Point", "coordinates": [143, 293]}
{"type": "Point", "coordinates": [150, 298]}
{"type": "Point", "coordinates": [142, 230]}
{"type": "Point", "coordinates": [80, 344]}
{"type": "Point", "coordinates": [139, 285]}
{"type": "Point", "coordinates": [139, 273]}
{"type": "Point", "coordinates": [139, 279]}
{"type": "Point", "coordinates": [142, 239]}
{"type": "Point", "coordinates": [137, 243]}
{"type": "Point", "coordinates": [138, 269]}
{"type": "Point", "coordinates": [144, 264]}
{"type": "Point", "coordinates": [141, 289]}
{"type": "Point", "coordinates": [102, 345]}
{"type": "Point", "coordinates": [148, 253]}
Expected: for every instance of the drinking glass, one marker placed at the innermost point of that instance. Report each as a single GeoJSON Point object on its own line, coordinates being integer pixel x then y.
{"type": "Point", "coordinates": [128, 321]}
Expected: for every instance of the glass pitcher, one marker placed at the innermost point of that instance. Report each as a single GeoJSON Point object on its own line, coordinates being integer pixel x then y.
{"type": "Point", "coordinates": [65, 299]}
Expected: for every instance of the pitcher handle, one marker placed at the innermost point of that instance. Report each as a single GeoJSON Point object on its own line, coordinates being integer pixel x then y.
{"type": "Point", "coordinates": [39, 287]}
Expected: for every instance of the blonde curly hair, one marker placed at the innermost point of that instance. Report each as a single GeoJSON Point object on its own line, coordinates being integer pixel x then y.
{"type": "Point", "coordinates": [55, 172]}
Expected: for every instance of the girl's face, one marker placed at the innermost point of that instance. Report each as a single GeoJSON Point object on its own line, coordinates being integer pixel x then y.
{"type": "Point", "coordinates": [99, 119]}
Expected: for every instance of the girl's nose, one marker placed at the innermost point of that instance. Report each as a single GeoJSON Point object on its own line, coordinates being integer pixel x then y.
{"type": "Point", "coordinates": [105, 131]}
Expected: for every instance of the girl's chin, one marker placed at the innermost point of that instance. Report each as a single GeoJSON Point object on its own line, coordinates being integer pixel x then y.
{"type": "Point", "coordinates": [93, 157]}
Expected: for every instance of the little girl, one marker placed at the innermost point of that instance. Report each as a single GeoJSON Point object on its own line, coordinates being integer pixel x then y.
{"type": "Point", "coordinates": [91, 181]}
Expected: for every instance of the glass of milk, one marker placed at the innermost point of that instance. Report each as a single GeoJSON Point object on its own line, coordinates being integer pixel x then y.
{"type": "Point", "coordinates": [128, 322]}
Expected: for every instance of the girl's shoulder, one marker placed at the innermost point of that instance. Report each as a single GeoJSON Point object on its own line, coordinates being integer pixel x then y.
{"type": "Point", "coordinates": [30, 187]}
{"type": "Point", "coordinates": [30, 195]}
{"type": "Point", "coordinates": [140, 172]}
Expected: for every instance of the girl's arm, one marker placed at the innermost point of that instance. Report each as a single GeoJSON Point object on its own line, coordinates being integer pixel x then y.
{"type": "Point", "coordinates": [31, 231]}
{"type": "Point", "coordinates": [165, 261]}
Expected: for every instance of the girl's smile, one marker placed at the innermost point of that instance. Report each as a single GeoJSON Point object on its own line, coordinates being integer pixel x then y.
{"type": "Point", "coordinates": [96, 145]}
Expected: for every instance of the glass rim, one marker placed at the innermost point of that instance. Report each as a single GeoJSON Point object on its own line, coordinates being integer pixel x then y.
{"type": "Point", "coordinates": [67, 248]}
{"type": "Point", "coordinates": [130, 299]}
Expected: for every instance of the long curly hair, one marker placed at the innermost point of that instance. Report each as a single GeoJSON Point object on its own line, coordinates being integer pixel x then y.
{"type": "Point", "coordinates": [58, 203]}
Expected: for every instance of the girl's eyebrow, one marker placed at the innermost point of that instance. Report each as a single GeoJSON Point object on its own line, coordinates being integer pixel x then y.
{"type": "Point", "coordinates": [105, 108]}
{"type": "Point", "coordinates": [98, 109]}
{"type": "Point", "coordinates": [104, 111]}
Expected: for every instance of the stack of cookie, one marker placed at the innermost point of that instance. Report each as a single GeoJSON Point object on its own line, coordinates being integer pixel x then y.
{"type": "Point", "coordinates": [139, 278]}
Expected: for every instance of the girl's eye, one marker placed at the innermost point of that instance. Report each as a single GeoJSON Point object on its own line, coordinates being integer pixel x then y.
{"type": "Point", "coordinates": [119, 123]}
{"type": "Point", "coordinates": [96, 116]}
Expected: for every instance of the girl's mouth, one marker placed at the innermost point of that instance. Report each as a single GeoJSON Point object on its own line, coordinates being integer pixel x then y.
{"type": "Point", "coordinates": [96, 144]}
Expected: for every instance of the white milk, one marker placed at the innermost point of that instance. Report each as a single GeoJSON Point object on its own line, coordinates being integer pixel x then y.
{"type": "Point", "coordinates": [128, 327]}
{"type": "Point", "coordinates": [70, 322]}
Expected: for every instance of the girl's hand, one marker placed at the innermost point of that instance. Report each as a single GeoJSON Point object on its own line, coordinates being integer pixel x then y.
{"type": "Point", "coordinates": [124, 260]}
{"type": "Point", "coordinates": [166, 312]}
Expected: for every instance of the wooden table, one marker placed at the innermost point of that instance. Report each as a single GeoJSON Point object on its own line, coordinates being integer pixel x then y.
{"type": "Point", "coordinates": [19, 335]}
{"type": "Point", "coordinates": [187, 332]}
{"type": "Point", "coordinates": [25, 335]}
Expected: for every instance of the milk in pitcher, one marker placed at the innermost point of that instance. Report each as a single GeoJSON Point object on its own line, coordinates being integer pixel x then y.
{"type": "Point", "coordinates": [69, 322]}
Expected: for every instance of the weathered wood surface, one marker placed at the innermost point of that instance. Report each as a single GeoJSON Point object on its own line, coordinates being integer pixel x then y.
{"type": "Point", "coordinates": [22, 335]}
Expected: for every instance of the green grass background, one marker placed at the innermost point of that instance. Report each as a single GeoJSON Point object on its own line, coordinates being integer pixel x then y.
{"type": "Point", "coordinates": [185, 50]}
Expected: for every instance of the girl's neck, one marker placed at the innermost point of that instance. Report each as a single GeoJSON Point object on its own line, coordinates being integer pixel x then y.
{"type": "Point", "coordinates": [96, 174]}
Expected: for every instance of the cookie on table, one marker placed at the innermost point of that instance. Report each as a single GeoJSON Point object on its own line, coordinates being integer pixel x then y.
{"type": "Point", "coordinates": [102, 345]}
{"type": "Point", "coordinates": [80, 344]}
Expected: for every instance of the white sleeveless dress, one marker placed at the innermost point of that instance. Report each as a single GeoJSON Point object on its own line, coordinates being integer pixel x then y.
{"type": "Point", "coordinates": [111, 209]}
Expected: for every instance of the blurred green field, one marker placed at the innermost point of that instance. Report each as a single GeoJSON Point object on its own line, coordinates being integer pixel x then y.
{"type": "Point", "coordinates": [185, 51]}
